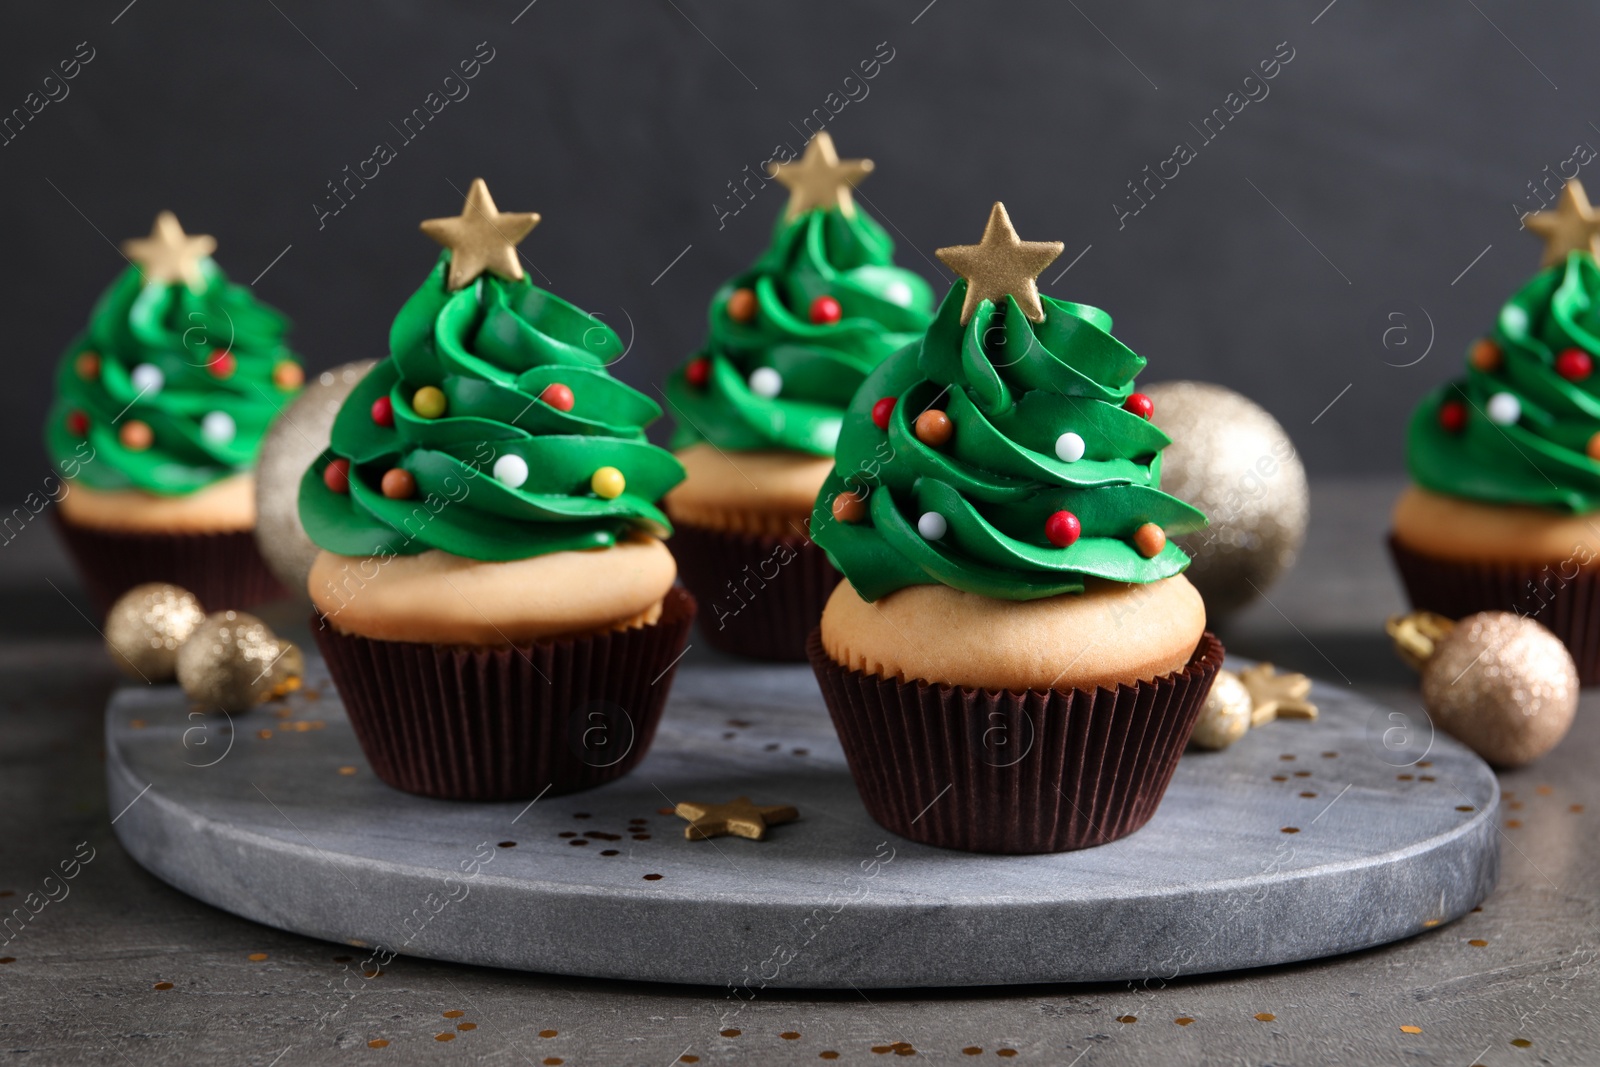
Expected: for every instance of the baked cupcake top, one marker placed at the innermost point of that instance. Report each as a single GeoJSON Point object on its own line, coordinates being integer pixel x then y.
{"type": "Point", "coordinates": [1523, 426]}
{"type": "Point", "coordinates": [1007, 455]}
{"type": "Point", "coordinates": [793, 337]}
{"type": "Point", "coordinates": [172, 384]}
{"type": "Point", "coordinates": [493, 430]}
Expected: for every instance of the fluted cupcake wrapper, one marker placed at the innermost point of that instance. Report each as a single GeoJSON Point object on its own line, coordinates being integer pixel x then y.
{"type": "Point", "coordinates": [224, 570]}
{"type": "Point", "coordinates": [467, 723]}
{"type": "Point", "coordinates": [1013, 772]}
{"type": "Point", "coordinates": [760, 594]}
{"type": "Point", "coordinates": [1559, 595]}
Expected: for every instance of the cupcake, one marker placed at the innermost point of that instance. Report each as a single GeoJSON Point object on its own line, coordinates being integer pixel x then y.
{"type": "Point", "coordinates": [758, 407]}
{"type": "Point", "coordinates": [161, 404]}
{"type": "Point", "coordinates": [1014, 660]}
{"type": "Point", "coordinates": [493, 597]}
{"type": "Point", "coordinates": [1505, 462]}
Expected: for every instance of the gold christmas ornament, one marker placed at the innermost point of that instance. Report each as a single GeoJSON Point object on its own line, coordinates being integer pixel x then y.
{"type": "Point", "coordinates": [1225, 716]}
{"type": "Point", "coordinates": [820, 178]}
{"type": "Point", "coordinates": [1232, 460]}
{"type": "Point", "coordinates": [738, 817]}
{"type": "Point", "coordinates": [233, 661]}
{"type": "Point", "coordinates": [147, 625]}
{"type": "Point", "coordinates": [169, 254]}
{"type": "Point", "coordinates": [295, 438]}
{"type": "Point", "coordinates": [1573, 226]}
{"type": "Point", "coordinates": [1001, 265]}
{"type": "Point", "coordinates": [1503, 685]}
{"type": "Point", "coordinates": [482, 238]}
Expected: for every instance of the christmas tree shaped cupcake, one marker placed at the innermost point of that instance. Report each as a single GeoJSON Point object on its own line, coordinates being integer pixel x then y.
{"type": "Point", "coordinates": [1014, 661]}
{"type": "Point", "coordinates": [161, 404]}
{"type": "Point", "coordinates": [759, 407]}
{"type": "Point", "coordinates": [496, 606]}
{"type": "Point", "coordinates": [1506, 461]}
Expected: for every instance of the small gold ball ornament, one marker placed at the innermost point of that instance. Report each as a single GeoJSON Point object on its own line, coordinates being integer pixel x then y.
{"type": "Point", "coordinates": [146, 627]}
{"type": "Point", "coordinates": [1225, 716]}
{"type": "Point", "coordinates": [233, 661]}
{"type": "Point", "coordinates": [1503, 685]}
{"type": "Point", "coordinates": [1232, 460]}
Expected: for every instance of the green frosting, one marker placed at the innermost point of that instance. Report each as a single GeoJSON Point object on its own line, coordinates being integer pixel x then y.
{"type": "Point", "coordinates": [823, 252]}
{"type": "Point", "coordinates": [492, 347]}
{"type": "Point", "coordinates": [178, 331]}
{"type": "Point", "coordinates": [1542, 457]}
{"type": "Point", "coordinates": [1011, 387]}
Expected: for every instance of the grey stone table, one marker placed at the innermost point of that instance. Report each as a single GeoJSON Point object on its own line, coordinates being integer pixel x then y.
{"type": "Point", "coordinates": [125, 969]}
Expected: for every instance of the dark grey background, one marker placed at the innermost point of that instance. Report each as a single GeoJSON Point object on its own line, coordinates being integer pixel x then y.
{"type": "Point", "coordinates": [1389, 154]}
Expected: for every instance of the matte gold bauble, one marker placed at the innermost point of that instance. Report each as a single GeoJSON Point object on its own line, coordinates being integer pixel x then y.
{"type": "Point", "coordinates": [146, 626]}
{"type": "Point", "coordinates": [233, 661]}
{"type": "Point", "coordinates": [295, 438]}
{"type": "Point", "coordinates": [1225, 716]}
{"type": "Point", "coordinates": [1232, 460]}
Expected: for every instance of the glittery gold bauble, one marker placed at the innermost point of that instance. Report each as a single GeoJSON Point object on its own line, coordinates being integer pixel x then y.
{"type": "Point", "coordinates": [296, 438]}
{"type": "Point", "coordinates": [233, 661]}
{"type": "Point", "coordinates": [1225, 716]}
{"type": "Point", "coordinates": [145, 627]}
{"type": "Point", "coordinates": [1503, 685]}
{"type": "Point", "coordinates": [1232, 460]}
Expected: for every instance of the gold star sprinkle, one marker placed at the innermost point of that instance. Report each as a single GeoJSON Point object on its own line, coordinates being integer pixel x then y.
{"type": "Point", "coordinates": [169, 254]}
{"type": "Point", "coordinates": [738, 817]}
{"type": "Point", "coordinates": [481, 238]}
{"type": "Point", "coordinates": [1572, 227]}
{"type": "Point", "coordinates": [1275, 695]}
{"type": "Point", "coordinates": [1001, 265]}
{"type": "Point", "coordinates": [821, 178]}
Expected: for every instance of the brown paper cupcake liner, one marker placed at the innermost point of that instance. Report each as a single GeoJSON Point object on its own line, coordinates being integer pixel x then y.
{"type": "Point", "coordinates": [224, 570]}
{"type": "Point", "coordinates": [1568, 607]}
{"type": "Point", "coordinates": [1013, 772]}
{"type": "Point", "coordinates": [469, 723]}
{"type": "Point", "coordinates": [760, 594]}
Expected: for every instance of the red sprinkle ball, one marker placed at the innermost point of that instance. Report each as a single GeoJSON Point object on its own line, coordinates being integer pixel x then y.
{"type": "Point", "coordinates": [1453, 416]}
{"type": "Point", "coordinates": [558, 396]}
{"type": "Point", "coordinates": [698, 372]}
{"type": "Point", "coordinates": [825, 311]}
{"type": "Point", "coordinates": [383, 411]}
{"type": "Point", "coordinates": [77, 423]}
{"type": "Point", "coordinates": [1574, 364]}
{"type": "Point", "coordinates": [1140, 405]}
{"type": "Point", "coordinates": [881, 412]}
{"type": "Point", "coordinates": [336, 476]}
{"type": "Point", "coordinates": [222, 363]}
{"type": "Point", "coordinates": [1063, 528]}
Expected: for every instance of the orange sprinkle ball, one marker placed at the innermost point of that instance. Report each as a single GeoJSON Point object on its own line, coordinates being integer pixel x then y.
{"type": "Point", "coordinates": [742, 305]}
{"type": "Point", "coordinates": [1485, 355]}
{"type": "Point", "coordinates": [1149, 539]}
{"type": "Point", "coordinates": [136, 436]}
{"type": "Point", "coordinates": [1593, 447]}
{"type": "Point", "coordinates": [398, 484]}
{"type": "Point", "coordinates": [849, 507]}
{"type": "Point", "coordinates": [288, 375]}
{"type": "Point", "coordinates": [88, 366]}
{"type": "Point", "coordinates": [934, 428]}
{"type": "Point", "coordinates": [558, 396]}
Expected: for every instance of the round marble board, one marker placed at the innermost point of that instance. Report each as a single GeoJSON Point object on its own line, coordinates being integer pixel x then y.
{"type": "Point", "coordinates": [1304, 839]}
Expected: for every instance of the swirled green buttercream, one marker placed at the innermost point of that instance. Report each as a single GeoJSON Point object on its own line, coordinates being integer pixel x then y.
{"type": "Point", "coordinates": [823, 252]}
{"type": "Point", "coordinates": [1011, 388]}
{"type": "Point", "coordinates": [205, 369]}
{"type": "Point", "coordinates": [1541, 457]}
{"type": "Point", "coordinates": [501, 474]}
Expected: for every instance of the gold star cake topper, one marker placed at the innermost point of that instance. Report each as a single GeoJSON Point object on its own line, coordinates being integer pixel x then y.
{"type": "Point", "coordinates": [1001, 265]}
{"type": "Point", "coordinates": [738, 817]}
{"type": "Point", "coordinates": [821, 178]}
{"type": "Point", "coordinates": [1277, 695]}
{"type": "Point", "coordinates": [1572, 227]}
{"type": "Point", "coordinates": [481, 238]}
{"type": "Point", "coordinates": [169, 254]}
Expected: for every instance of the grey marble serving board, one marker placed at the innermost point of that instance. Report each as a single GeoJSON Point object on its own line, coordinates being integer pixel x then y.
{"type": "Point", "coordinates": [275, 816]}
